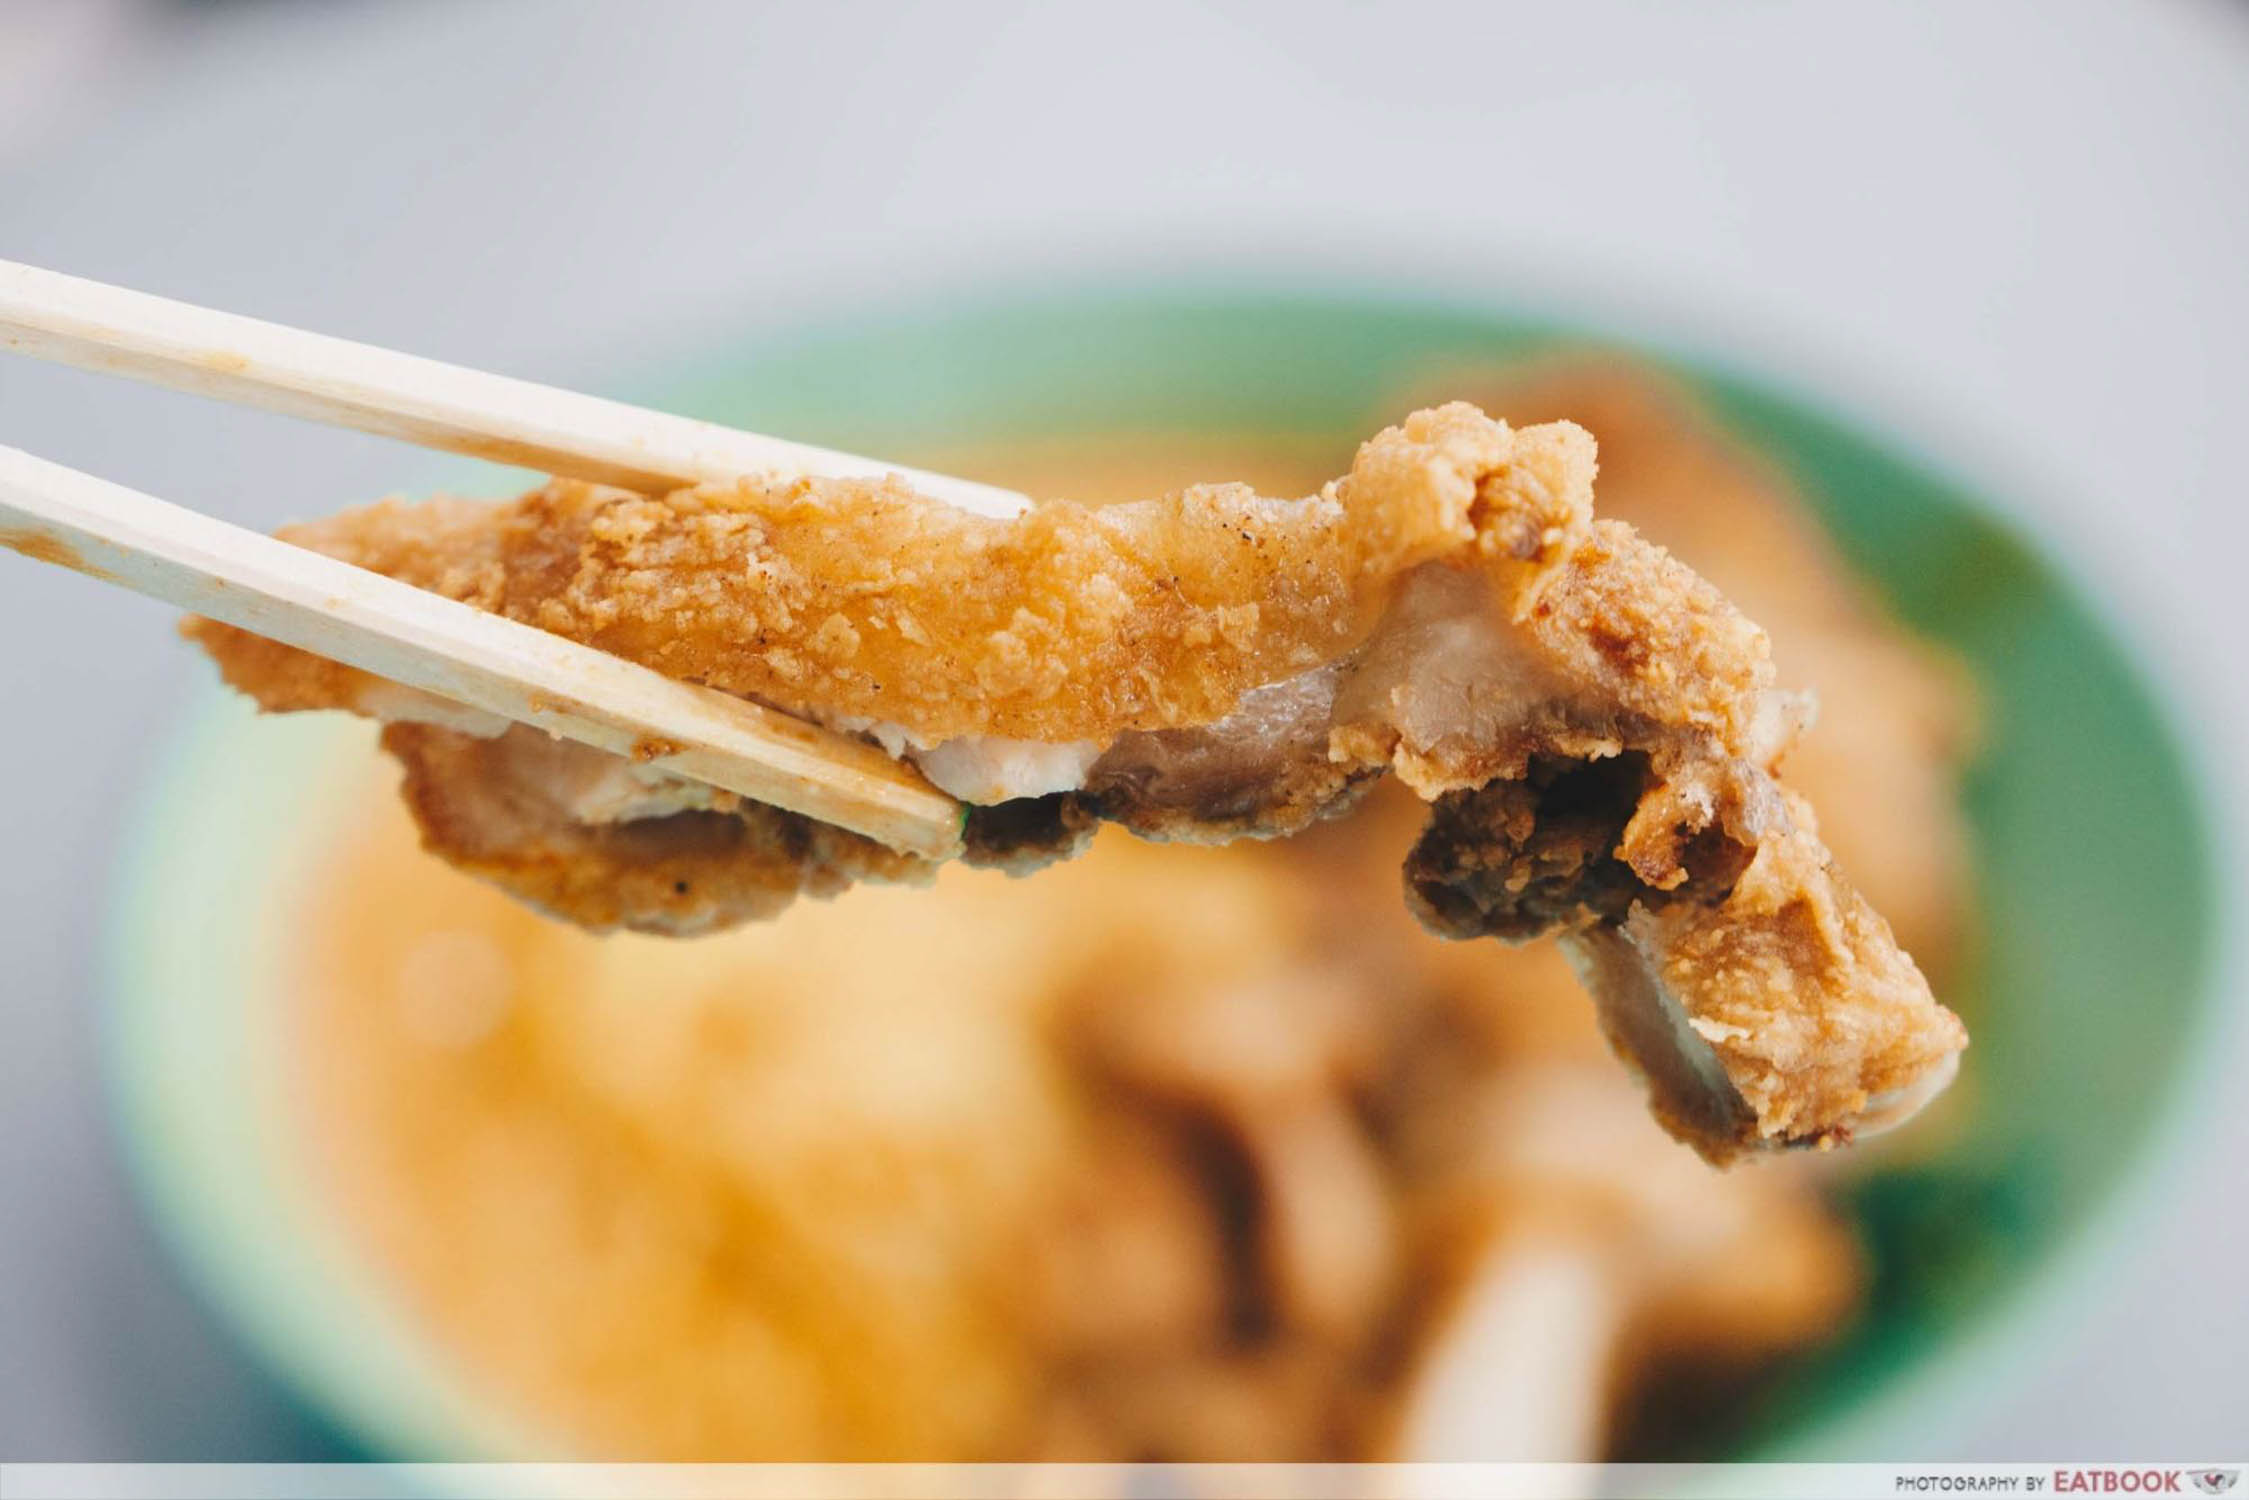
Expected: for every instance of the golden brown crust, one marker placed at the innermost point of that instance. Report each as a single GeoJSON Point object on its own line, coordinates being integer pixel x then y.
{"type": "Point", "coordinates": [1619, 645]}
{"type": "Point", "coordinates": [1818, 1017]}
{"type": "Point", "coordinates": [862, 600]}
{"type": "Point", "coordinates": [1897, 715]}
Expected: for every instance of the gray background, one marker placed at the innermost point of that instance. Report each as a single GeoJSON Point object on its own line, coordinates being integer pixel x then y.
{"type": "Point", "coordinates": [2019, 232]}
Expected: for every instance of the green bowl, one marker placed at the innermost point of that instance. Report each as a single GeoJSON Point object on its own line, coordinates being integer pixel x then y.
{"type": "Point", "coordinates": [2093, 991]}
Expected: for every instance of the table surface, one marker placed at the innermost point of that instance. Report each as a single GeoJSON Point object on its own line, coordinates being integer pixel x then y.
{"type": "Point", "coordinates": [2017, 231]}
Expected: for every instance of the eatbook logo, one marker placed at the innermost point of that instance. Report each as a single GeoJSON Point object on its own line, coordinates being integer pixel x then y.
{"type": "Point", "coordinates": [2214, 1481]}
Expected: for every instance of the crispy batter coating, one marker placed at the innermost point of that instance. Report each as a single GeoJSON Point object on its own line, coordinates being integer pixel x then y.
{"type": "Point", "coordinates": [1596, 723]}
{"type": "Point", "coordinates": [862, 600]}
{"type": "Point", "coordinates": [1822, 1024]}
{"type": "Point", "coordinates": [1897, 715]}
{"type": "Point", "coordinates": [1628, 803]}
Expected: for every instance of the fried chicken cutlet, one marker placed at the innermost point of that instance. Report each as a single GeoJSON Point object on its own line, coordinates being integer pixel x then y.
{"type": "Point", "coordinates": [1594, 725]}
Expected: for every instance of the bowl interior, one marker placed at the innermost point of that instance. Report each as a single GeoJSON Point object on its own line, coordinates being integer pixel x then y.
{"type": "Point", "coordinates": [2098, 902]}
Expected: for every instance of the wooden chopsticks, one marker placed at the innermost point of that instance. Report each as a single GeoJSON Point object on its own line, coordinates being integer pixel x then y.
{"type": "Point", "coordinates": [424, 401]}
{"type": "Point", "coordinates": [405, 634]}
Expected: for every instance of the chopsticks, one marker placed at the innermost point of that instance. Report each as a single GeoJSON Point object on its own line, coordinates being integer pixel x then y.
{"type": "Point", "coordinates": [405, 634]}
{"type": "Point", "coordinates": [424, 401]}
